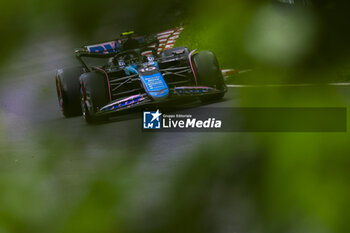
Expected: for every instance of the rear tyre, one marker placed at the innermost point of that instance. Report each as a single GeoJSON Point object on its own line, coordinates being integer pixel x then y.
{"type": "Point", "coordinates": [209, 74]}
{"type": "Point", "coordinates": [94, 95]}
{"type": "Point", "coordinates": [68, 91]}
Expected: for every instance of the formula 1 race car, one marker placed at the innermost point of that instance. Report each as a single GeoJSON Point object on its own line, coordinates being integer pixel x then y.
{"type": "Point", "coordinates": [130, 72]}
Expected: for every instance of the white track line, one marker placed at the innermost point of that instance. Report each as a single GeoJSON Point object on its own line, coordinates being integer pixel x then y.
{"type": "Point", "coordinates": [338, 84]}
{"type": "Point", "coordinates": [229, 72]}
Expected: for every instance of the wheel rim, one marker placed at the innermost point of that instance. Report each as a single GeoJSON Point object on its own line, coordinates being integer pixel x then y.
{"type": "Point", "coordinates": [82, 101]}
{"type": "Point", "coordinates": [83, 109]}
{"type": "Point", "coordinates": [59, 94]}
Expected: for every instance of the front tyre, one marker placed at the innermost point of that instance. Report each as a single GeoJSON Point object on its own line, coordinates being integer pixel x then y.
{"type": "Point", "coordinates": [208, 73]}
{"type": "Point", "coordinates": [94, 95]}
{"type": "Point", "coordinates": [67, 86]}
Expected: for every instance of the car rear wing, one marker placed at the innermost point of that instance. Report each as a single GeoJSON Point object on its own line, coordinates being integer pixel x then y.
{"type": "Point", "coordinates": [162, 41]}
{"type": "Point", "coordinates": [105, 48]}
{"type": "Point", "coordinates": [166, 40]}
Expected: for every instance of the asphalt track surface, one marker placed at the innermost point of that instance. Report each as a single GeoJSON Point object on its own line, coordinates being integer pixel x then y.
{"type": "Point", "coordinates": [29, 110]}
{"type": "Point", "coordinates": [30, 113]}
{"type": "Point", "coordinates": [38, 136]}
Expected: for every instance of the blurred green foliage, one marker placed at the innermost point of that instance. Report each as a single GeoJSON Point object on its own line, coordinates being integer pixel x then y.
{"type": "Point", "coordinates": [220, 26]}
{"type": "Point", "coordinates": [81, 19]}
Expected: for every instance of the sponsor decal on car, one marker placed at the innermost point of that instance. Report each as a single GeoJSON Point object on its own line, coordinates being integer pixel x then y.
{"type": "Point", "coordinates": [104, 48]}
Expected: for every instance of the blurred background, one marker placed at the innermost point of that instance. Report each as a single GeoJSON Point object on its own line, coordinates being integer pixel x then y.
{"type": "Point", "coordinates": [60, 175]}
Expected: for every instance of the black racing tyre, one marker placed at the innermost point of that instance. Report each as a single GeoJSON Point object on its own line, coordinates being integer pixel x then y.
{"type": "Point", "coordinates": [68, 90]}
{"type": "Point", "coordinates": [94, 95]}
{"type": "Point", "coordinates": [209, 74]}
